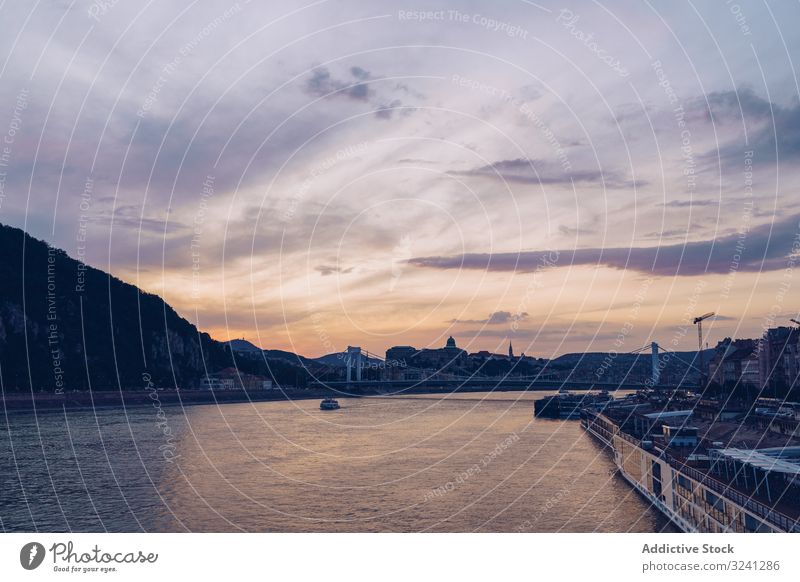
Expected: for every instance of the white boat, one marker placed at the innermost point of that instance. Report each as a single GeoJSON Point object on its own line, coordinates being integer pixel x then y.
{"type": "Point", "coordinates": [329, 404]}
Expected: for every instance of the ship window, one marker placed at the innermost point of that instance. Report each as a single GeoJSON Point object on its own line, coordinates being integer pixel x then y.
{"type": "Point", "coordinates": [656, 470]}
{"type": "Point", "coordinates": [714, 501]}
{"type": "Point", "coordinates": [751, 524]}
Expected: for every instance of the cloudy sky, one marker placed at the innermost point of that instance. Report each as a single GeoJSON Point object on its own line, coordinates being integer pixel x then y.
{"type": "Point", "coordinates": [568, 176]}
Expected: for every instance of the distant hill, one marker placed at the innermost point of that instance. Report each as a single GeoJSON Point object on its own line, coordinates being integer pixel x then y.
{"type": "Point", "coordinates": [339, 359]}
{"type": "Point", "coordinates": [244, 346]}
{"type": "Point", "coordinates": [290, 357]}
{"type": "Point", "coordinates": [677, 367]}
{"type": "Point", "coordinates": [336, 360]}
{"type": "Point", "coordinates": [594, 357]}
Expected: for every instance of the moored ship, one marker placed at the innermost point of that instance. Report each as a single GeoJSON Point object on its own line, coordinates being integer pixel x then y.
{"type": "Point", "coordinates": [567, 405]}
{"type": "Point", "coordinates": [329, 404]}
{"type": "Point", "coordinates": [705, 474]}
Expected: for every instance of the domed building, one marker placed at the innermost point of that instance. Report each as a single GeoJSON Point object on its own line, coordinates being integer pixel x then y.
{"type": "Point", "coordinates": [448, 356]}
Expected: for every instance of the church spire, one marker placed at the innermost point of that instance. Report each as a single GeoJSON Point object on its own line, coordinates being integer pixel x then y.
{"type": "Point", "coordinates": [510, 351]}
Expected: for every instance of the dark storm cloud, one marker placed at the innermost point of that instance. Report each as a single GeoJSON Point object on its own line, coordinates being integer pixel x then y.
{"type": "Point", "coordinates": [764, 248]}
{"type": "Point", "coordinates": [530, 171]}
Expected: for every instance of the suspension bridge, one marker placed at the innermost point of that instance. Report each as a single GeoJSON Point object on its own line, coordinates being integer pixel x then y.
{"type": "Point", "coordinates": [358, 360]}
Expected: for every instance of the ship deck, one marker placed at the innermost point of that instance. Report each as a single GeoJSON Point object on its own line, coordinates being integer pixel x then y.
{"type": "Point", "coordinates": [723, 434]}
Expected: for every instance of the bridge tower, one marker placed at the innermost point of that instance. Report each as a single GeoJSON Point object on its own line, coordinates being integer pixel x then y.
{"type": "Point", "coordinates": [656, 369]}
{"type": "Point", "coordinates": [354, 361]}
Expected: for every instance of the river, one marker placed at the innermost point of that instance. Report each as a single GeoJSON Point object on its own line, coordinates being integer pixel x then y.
{"type": "Point", "coordinates": [460, 463]}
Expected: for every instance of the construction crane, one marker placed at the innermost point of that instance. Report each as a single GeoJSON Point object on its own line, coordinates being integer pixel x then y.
{"type": "Point", "coordinates": [698, 321]}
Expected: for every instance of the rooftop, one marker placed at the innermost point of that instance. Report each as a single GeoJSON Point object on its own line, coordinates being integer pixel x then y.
{"type": "Point", "coordinates": [668, 414]}
{"type": "Point", "coordinates": [776, 460]}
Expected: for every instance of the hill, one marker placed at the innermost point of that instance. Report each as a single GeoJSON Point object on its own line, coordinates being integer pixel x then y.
{"type": "Point", "coordinates": [677, 367]}
{"type": "Point", "coordinates": [339, 360]}
{"type": "Point", "coordinates": [66, 326]}
{"type": "Point", "coordinates": [246, 349]}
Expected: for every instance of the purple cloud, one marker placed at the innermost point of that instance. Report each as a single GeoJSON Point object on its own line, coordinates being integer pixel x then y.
{"type": "Point", "coordinates": [530, 171]}
{"type": "Point", "coordinates": [764, 248]}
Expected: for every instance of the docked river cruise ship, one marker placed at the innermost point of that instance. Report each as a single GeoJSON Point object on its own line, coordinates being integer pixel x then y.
{"type": "Point", "coordinates": [708, 467]}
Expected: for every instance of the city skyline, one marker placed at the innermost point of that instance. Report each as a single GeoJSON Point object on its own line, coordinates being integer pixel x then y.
{"type": "Point", "coordinates": [551, 181]}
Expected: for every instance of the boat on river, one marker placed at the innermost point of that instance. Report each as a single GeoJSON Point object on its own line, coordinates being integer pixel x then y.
{"type": "Point", "coordinates": [329, 404]}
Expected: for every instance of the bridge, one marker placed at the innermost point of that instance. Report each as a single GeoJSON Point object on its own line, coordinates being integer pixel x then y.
{"type": "Point", "coordinates": [429, 380]}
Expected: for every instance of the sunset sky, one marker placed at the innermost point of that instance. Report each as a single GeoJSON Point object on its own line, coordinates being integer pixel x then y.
{"type": "Point", "coordinates": [309, 176]}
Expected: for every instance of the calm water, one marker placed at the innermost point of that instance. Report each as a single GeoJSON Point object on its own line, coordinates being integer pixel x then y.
{"type": "Point", "coordinates": [477, 462]}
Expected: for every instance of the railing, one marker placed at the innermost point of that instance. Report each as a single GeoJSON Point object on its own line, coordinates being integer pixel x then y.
{"type": "Point", "coordinates": [770, 514]}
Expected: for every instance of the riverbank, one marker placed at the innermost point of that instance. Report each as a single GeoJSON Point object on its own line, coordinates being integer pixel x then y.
{"type": "Point", "coordinates": [42, 401]}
